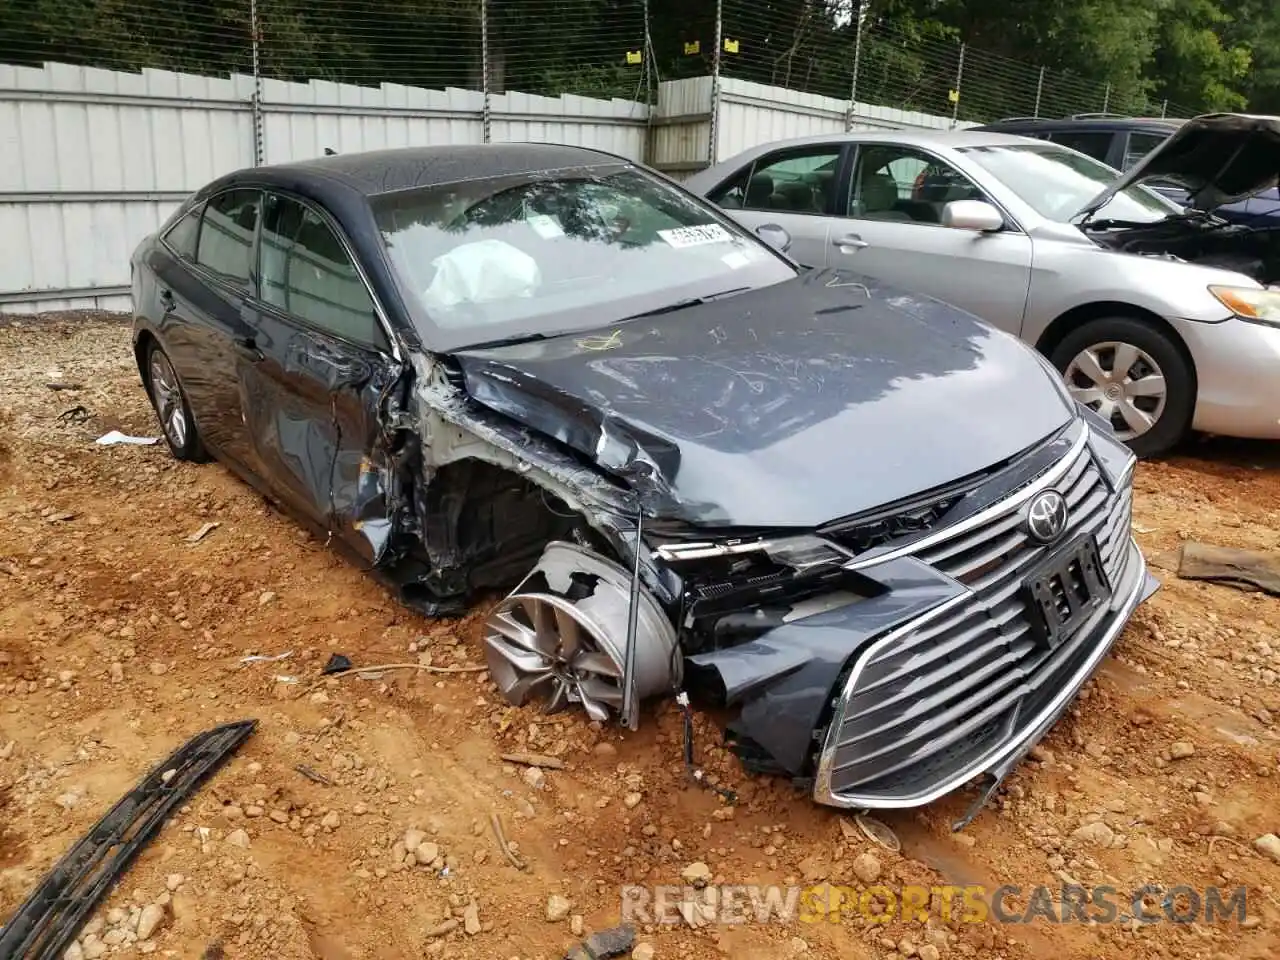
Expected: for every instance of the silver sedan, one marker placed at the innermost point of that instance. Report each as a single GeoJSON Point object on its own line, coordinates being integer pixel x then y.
{"type": "Point", "coordinates": [1158, 317]}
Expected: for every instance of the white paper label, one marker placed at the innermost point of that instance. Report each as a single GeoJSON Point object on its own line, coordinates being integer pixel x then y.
{"type": "Point", "coordinates": [546, 227]}
{"type": "Point", "coordinates": [680, 237]}
{"type": "Point", "coordinates": [735, 260]}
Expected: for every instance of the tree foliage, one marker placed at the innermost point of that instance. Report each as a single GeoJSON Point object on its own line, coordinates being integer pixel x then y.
{"type": "Point", "coordinates": [1125, 54]}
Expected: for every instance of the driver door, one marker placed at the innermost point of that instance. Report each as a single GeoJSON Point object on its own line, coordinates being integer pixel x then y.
{"type": "Point", "coordinates": [894, 232]}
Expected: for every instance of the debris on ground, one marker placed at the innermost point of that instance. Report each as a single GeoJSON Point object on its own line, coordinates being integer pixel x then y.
{"type": "Point", "coordinates": [603, 944]}
{"type": "Point", "coordinates": [337, 663]}
{"type": "Point", "coordinates": [203, 532]}
{"type": "Point", "coordinates": [1242, 569]}
{"type": "Point", "coordinates": [112, 437]}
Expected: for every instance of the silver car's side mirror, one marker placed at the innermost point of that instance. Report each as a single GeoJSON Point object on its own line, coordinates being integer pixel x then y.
{"type": "Point", "coordinates": [775, 236]}
{"type": "Point", "coordinates": [972, 215]}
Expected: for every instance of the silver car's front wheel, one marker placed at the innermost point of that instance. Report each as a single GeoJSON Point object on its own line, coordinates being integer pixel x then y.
{"type": "Point", "coordinates": [1122, 382]}
{"type": "Point", "coordinates": [1136, 374]}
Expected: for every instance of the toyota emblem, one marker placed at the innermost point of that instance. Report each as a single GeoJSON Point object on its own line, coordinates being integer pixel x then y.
{"type": "Point", "coordinates": [1047, 516]}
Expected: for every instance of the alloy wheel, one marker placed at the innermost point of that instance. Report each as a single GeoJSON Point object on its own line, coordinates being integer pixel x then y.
{"type": "Point", "coordinates": [168, 400]}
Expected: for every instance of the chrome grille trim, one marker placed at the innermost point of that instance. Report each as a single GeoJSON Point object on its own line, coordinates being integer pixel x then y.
{"type": "Point", "coordinates": [968, 668]}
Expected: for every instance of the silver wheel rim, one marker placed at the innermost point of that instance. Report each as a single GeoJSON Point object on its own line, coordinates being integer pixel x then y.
{"type": "Point", "coordinates": [1122, 382]}
{"type": "Point", "coordinates": [168, 400]}
{"type": "Point", "coordinates": [544, 651]}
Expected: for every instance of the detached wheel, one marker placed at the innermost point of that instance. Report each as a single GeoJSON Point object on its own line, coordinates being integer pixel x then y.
{"type": "Point", "coordinates": [171, 406]}
{"type": "Point", "coordinates": [1132, 375]}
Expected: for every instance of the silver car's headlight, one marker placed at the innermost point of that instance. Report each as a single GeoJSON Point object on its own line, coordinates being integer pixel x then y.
{"type": "Point", "coordinates": [1250, 303]}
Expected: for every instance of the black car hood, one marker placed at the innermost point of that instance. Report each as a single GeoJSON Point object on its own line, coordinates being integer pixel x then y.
{"type": "Point", "coordinates": [814, 399]}
{"type": "Point", "coordinates": [1218, 159]}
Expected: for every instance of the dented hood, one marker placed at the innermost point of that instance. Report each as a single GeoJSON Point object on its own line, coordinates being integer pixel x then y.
{"type": "Point", "coordinates": [791, 405]}
{"type": "Point", "coordinates": [1218, 159]}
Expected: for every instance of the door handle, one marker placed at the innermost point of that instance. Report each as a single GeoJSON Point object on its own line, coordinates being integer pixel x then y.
{"type": "Point", "coordinates": [168, 301]}
{"type": "Point", "coordinates": [850, 240]}
{"type": "Point", "coordinates": [247, 347]}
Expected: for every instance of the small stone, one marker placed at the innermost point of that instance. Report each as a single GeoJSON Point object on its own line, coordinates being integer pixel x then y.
{"type": "Point", "coordinates": [331, 820]}
{"type": "Point", "coordinates": [73, 952]}
{"type": "Point", "coordinates": [173, 881]}
{"type": "Point", "coordinates": [632, 800]}
{"type": "Point", "coordinates": [116, 672]}
{"type": "Point", "coordinates": [167, 776]}
{"type": "Point", "coordinates": [605, 749]}
{"type": "Point", "coordinates": [697, 873]}
{"type": "Point", "coordinates": [642, 951]}
{"type": "Point", "coordinates": [558, 908]}
{"type": "Point", "coordinates": [238, 838]}
{"type": "Point", "coordinates": [265, 597]}
{"type": "Point", "coordinates": [67, 800]}
{"type": "Point", "coordinates": [152, 918]}
{"type": "Point", "coordinates": [534, 777]}
{"type": "Point", "coordinates": [158, 668]}
{"type": "Point", "coordinates": [471, 919]}
{"type": "Point", "coordinates": [928, 952]}
{"type": "Point", "coordinates": [426, 853]}
{"type": "Point", "coordinates": [866, 867]}
{"type": "Point", "coordinates": [1269, 846]}
{"type": "Point", "coordinates": [1181, 749]}
{"type": "Point", "coordinates": [413, 839]}
{"type": "Point", "coordinates": [577, 925]}
{"type": "Point", "coordinates": [93, 948]}
{"type": "Point", "coordinates": [1097, 833]}
{"type": "Point", "coordinates": [279, 816]}
{"type": "Point", "coordinates": [253, 810]}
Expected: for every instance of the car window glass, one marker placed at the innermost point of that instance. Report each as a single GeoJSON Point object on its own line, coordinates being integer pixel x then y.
{"type": "Point", "coordinates": [306, 272]}
{"type": "Point", "coordinates": [226, 235]}
{"type": "Point", "coordinates": [1096, 143]}
{"type": "Point", "coordinates": [182, 236]}
{"type": "Point", "coordinates": [906, 185]}
{"type": "Point", "coordinates": [799, 181]}
{"type": "Point", "coordinates": [732, 193]}
{"type": "Point", "coordinates": [1140, 144]}
{"type": "Point", "coordinates": [544, 253]}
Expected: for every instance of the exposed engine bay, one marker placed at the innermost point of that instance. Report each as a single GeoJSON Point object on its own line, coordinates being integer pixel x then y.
{"type": "Point", "coordinates": [1197, 237]}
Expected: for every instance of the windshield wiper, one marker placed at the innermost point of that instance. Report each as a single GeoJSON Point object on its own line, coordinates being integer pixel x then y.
{"type": "Point", "coordinates": [507, 341]}
{"type": "Point", "coordinates": [686, 302]}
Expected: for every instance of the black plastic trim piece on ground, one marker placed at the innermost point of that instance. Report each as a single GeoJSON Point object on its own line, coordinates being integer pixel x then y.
{"type": "Point", "coordinates": [46, 924]}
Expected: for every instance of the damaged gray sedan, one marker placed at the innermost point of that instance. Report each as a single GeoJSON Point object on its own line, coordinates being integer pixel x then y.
{"type": "Point", "coordinates": [877, 526]}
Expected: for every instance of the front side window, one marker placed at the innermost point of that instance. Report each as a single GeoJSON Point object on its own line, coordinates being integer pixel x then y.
{"type": "Point", "coordinates": [226, 236]}
{"type": "Point", "coordinates": [900, 183]}
{"type": "Point", "coordinates": [306, 272]}
{"type": "Point", "coordinates": [1058, 184]}
{"type": "Point", "coordinates": [487, 260]}
{"type": "Point", "coordinates": [797, 181]}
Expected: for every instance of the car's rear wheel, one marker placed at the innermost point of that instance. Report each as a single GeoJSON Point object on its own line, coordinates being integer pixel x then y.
{"type": "Point", "coordinates": [171, 407]}
{"type": "Point", "coordinates": [1133, 375]}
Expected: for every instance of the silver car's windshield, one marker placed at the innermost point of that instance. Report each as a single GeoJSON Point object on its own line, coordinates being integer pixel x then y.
{"type": "Point", "coordinates": [1056, 183]}
{"type": "Point", "coordinates": [488, 260]}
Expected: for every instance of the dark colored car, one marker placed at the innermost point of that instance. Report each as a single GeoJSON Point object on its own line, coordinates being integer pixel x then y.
{"type": "Point", "coordinates": [549, 368]}
{"type": "Point", "coordinates": [1121, 142]}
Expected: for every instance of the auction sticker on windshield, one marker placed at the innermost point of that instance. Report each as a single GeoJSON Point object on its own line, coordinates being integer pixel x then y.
{"type": "Point", "coordinates": [695, 236]}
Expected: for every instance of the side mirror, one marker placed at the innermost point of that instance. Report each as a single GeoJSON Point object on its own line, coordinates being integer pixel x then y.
{"type": "Point", "coordinates": [775, 236]}
{"type": "Point", "coordinates": [972, 215]}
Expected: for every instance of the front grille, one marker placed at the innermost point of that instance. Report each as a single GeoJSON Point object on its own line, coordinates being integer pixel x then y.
{"type": "Point", "coordinates": [937, 699]}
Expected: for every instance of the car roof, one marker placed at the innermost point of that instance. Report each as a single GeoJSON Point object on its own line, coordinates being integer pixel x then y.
{"type": "Point", "coordinates": [1156, 124]}
{"type": "Point", "coordinates": [384, 171]}
{"type": "Point", "coordinates": [917, 137]}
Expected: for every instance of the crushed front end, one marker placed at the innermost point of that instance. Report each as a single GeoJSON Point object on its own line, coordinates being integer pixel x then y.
{"type": "Point", "coordinates": [888, 659]}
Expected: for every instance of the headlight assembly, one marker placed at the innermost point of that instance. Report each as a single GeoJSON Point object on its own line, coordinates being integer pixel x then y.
{"type": "Point", "coordinates": [1250, 303]}
{"type": "Point", "coordinates": [800, 553]}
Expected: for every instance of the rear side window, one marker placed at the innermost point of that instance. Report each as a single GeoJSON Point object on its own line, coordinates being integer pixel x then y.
{"type": "Point", "coordinates": [1095, 143]}
{"type": "Point", "coordinates": [1140, 144]}
{"type": "Point", "coordinates": [226, 236]}
{"type": "Point", "coordinates": [307, 272]}
{"type": "Point", "coordinates": [182, 236]}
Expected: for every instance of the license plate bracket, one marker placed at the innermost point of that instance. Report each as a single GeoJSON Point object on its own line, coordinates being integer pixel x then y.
{"type": "Point", "coordinates": [1065, 590]}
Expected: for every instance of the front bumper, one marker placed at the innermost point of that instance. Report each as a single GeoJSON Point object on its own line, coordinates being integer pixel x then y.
{"type": "Point", "coordinates": [1236, 363]}
{"type": "Point", "coordinates": [963, 689]}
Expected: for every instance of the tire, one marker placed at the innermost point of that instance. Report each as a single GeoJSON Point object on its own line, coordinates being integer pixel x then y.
{"type": "Point", "coordinates": [1130, 399]}
{"type": "Point", "coordinates": [170, 403]}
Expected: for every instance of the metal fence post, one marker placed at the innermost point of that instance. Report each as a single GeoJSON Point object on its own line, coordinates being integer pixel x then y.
{"type": "Point", "coordinates": [1106, 99]}
{"type": "Point", "coordinates": [857, 63]}
{"type": "Point", "coordinates": [1039, 89]}
{"type": "Point", "coordinates": [259, 148]}
{"type": "Point", "coordinates": [955, 106]}
{"type": "Point", "coordinates": [487, 110]}
{"type": "Point", "coordinates": [1164, 108]}
{"type": "Point", "coordinates": [714, 124]}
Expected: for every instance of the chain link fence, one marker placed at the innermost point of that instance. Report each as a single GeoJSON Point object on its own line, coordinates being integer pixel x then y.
{"type": "Point", "coordinates": [601, 48]}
